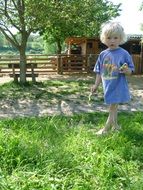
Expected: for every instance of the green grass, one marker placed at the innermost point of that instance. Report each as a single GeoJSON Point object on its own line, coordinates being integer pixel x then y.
{"type": "Point", "coordinates": [50, 91]}
{"type": "Point", "coordinates": [64, 153]}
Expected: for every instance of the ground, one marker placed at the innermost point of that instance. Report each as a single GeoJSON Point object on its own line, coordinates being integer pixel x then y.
{"type": "Point", "coordinates": [42, 108]}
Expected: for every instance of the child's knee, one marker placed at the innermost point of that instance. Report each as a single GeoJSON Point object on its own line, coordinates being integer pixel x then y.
{"type": "Point", "coordinates": [113, 107]}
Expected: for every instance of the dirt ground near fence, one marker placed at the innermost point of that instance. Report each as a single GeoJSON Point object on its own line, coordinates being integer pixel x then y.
{"type": "Point", "coordinates": [34, 108]}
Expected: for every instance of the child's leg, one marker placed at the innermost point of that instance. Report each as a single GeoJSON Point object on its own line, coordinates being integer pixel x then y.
{"type": "Point", "coordinates": [115, 122]}
{"type": "Point", "coordinates": [112, 118]}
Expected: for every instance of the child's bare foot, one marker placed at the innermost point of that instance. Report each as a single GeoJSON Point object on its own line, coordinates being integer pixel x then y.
{"type": "Point", "coordinates": [102, 131]}
{"type": "Point", "coordinates": [116, 128]}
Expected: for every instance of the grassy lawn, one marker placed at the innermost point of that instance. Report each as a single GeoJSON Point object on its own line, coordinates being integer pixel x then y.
{"type": "Point", "coordinates": [52, 90]}
{"type": "Point", "coordinates": [63, 152]}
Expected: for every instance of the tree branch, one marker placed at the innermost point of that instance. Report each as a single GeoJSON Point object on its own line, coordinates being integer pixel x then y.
{"type": "Point", "coordinates": [10, 36]}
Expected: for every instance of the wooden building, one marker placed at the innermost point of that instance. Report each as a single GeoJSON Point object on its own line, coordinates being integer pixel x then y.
{"type": "Point", "coordinates": [85, 46]}
{"type": "Point", "coordinates": [93, 46]}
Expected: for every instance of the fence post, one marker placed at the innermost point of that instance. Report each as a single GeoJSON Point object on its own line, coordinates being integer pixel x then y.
{"type": "Point", "coordinates": [141, 59]}
{"type": "Point", "coordinates": [33, 74]}
{"type": "Point", "coordinates": [92, 58]}
{"type": "Point", "coordinates": [88, 62]}
{"type": "Point", "coordinates": [59, 64]}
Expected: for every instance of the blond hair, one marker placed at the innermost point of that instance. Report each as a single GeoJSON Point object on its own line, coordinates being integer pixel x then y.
{"type": "Point", "coordinates": [110, 29]}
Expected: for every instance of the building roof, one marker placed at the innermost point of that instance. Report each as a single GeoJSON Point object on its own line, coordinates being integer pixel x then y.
{"type": "Point", "coordinates": [80, 40]}
{"type": "Point", "coordinates": [135, 36]}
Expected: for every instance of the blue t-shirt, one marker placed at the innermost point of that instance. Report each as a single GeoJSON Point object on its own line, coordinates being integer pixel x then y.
{"type": "Point", "coordinates": [115, 85]}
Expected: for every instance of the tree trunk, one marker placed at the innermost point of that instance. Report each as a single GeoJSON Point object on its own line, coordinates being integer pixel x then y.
{"type": "Point", "coordinates": [59, 47]}
{"type": "Point", "coordinates": [22, 66]}
{"type": "Point", "coordinates": [141, 59]}
{"type": "Point", "coordinates": [23, 60]}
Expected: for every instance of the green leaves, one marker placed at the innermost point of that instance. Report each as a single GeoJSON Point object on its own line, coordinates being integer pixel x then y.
{"type": "Point", "coordinates": [61, 19]}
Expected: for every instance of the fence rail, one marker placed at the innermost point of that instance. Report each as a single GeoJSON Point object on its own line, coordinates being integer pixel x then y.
{"type": "Point", "coordinates": [138, 62]}
{"type": "Point", "coordinates": [61, 64]}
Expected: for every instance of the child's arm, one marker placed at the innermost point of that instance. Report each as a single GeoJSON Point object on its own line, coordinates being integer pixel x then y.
{"type": "Point", "coordinates": [97, 83]}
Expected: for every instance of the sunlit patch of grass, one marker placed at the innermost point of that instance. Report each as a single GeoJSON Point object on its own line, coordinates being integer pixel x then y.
{"type": "Point", "coordinates": [49, 91]}
{"type": "Point", "coordinates": [65, 153]}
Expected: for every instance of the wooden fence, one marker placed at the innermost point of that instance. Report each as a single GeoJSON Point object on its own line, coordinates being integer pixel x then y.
{"type": "Point", "coordinates": [61, 64]}
{"type": "Point", "coordinates": [138, 62]}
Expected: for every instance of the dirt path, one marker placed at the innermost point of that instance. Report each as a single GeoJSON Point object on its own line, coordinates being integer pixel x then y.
{"type": "Point", "coordinates": [41, 108]}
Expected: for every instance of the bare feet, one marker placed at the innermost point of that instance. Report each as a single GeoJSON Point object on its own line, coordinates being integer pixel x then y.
{"type": "Point", "coordinates": [116, 128]}
{"type": "Point", "coordinates": [102, 131]}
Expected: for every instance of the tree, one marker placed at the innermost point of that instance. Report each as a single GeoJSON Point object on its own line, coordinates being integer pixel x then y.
{"type": "Point", "coordinates": [66, 18]}
{"type": "Point", "coordinates": [55, 19]}
{"type": "Point", "coordinates": [14, 18]}
{"type": "Point", "coordinates": [141, 6]}
{"type": "Point", "coordinates": [1, 40]}
{"type": "Point", "coordinates": [141, 9]}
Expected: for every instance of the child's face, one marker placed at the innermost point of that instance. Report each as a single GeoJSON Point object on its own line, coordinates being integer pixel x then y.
{"type": "Point", "coordinates": [113, 41]}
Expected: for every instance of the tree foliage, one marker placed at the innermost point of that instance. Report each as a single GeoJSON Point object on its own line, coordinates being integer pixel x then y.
{"type": "Point", "coordinates": [14, 17]}
{"type": "Point", "coordinates": [141, 6]}
{"type": "Point", "coordinates": [55, 19]}
{"type": "Point", "coordinates": [141, 9]}
{"type": "Point", "coordinates": [64, 18]}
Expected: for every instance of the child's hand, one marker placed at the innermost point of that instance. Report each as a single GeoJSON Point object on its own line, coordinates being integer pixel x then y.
{"type": "Point", "coordinates": [93, 89]}
{"type": "Point", "coordinates": [124, 69]}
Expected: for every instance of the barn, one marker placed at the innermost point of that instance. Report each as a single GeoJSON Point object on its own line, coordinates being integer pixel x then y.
{"type": "Point", "coordinates": [93, 46]}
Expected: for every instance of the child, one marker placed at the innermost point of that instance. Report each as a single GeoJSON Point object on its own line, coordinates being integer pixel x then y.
{"type": "Point", "coordinates": [112, 66]}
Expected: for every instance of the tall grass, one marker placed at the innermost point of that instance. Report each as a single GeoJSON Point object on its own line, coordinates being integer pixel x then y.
{"type": "Point", "coordinates": [63, 153]}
